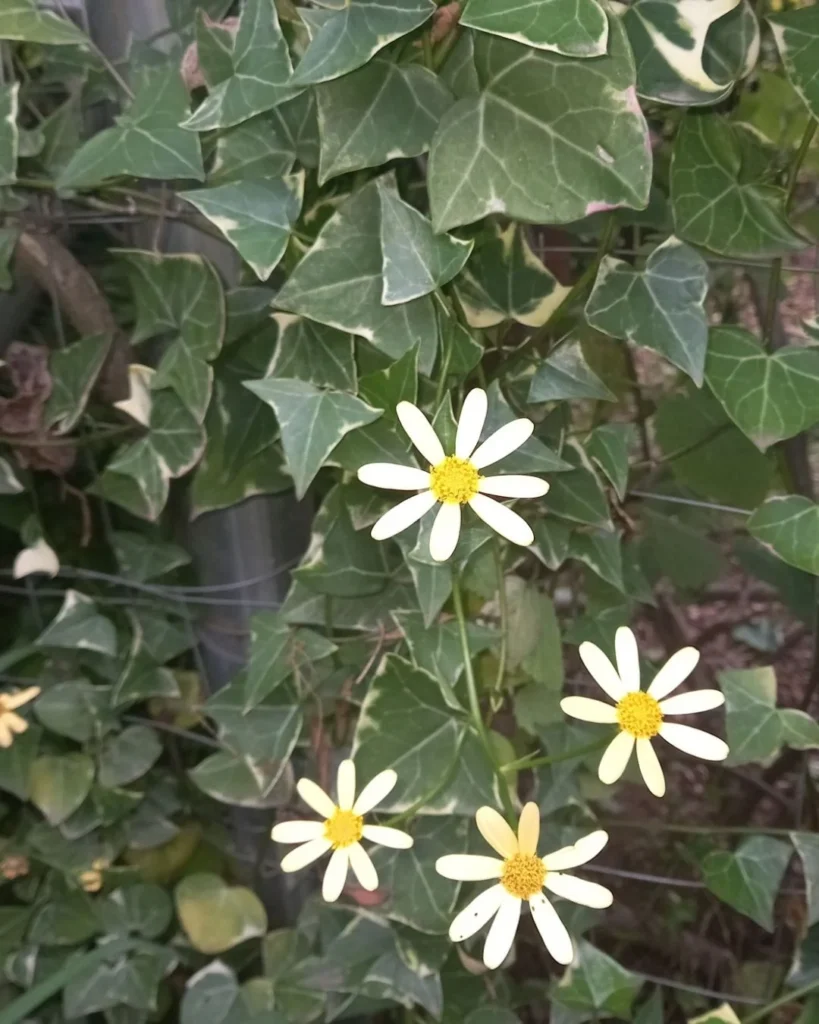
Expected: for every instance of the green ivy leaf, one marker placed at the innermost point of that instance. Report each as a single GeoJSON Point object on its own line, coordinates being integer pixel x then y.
{"type": "Point", "coordinates": [130, 981]}
{"type": "Point", "coordinates": [748, 878]}
{"type": "Point", "coordinates": [216, 916]}
{"type": "Point", "coordinates": [609, 446]}
{"type": "Point", "coordinates": [9, 132]}
{"type": "Point", "coordinates": [551, 542]}
{"type": "Point", "coordinates": [58, 785]}
{"type": "Point", "coordinates": [732, 44]}
{"type": "Point", "coordinates": [799, 729]}
{"type": "Point", "coordinates": [128, 756]}
{"type": "Point", "coordinates": [256, 217]}
{"type": "Point", "coordinates": [378, 113]}
{"type": "Point", "coordinates": [242, 781]}
{"type": "Point", "coordinates": [522, 151]}
{"type": "Point", "coordinates": [769, 397]}
{"type": "Point", "coordinates": [142, 558]}
{"type": "Point", "coordinates": [65, 920]}
{"type": "Point", "coordinates": [601, 552]}
{"type": "Point", "coordinates": [384, 389]}
{"type": "Point", "coordinates": [146, 141]}
{"type": "Point", "coordinates": [339, 283]}
{"type": "Point", "coordinates": [74, 708]}
{"type": "Point", "coordinates": [277, 651]}
{"type": "Point", "coordinates": [268, 735]}
{"type": "Point", "coordinates": [312, 422]}
{"type": "Point", "coordinates": [661, 307]}
{"type": "Point", "coordinates": [720, 196]}
{"type": "Point", "coordinates": [533, 456]}
{"type": "Point", "coordinates": [564, 375]}
{"type": "Point", "coordinates": [578, 495]}
{"type": "Point", "coordinates": [253, 150]}
{"type": "Point", "coordinates": [141, 909]}
{"type": "Point", "coordinates": [437, 649]}
{"type": "Point", "coordinates": [9, 484]}
{"type": "Point", "coordinates": [807, 846]}
{"type": "Point", "coordinates": [797, 39]}
{"type": "Point", "coordinates": [575, 28]}
{"type": "Point", "coordinates": [16, 762]}
{"type": "Point", "coordinates": [596, 984]}
{"type": "Point", "coordinates": [22, 21]}
{"type": "Point", "coordinates": [752, 722]}
{"type": "Point", "coordinates": [314, 352]}
{"type": "Point", "coordinates": [347, 37]}
{"type": "Point", "coordinates": [683, 553]}
{"type": "Point", "coordinates": [789, 526]}
{"type": "Point", "coordinates": [74, 371]}
{"type": "Point", "coordinates": [79, 626]}
{"type": "Point", "coordinates": [261, 72]}
{"type": "Point", "coordinates": [415, 260]}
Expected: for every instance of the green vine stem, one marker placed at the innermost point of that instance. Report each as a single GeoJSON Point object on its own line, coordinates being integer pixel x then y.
{"type": "Point", "coordinates": [568, 755]}
{"type": "Point", "coordinates": [766, 1011]}
{"type": "Point", "coordinates": [439, 787]}
{"type": "Point", "coordinates": [503, 608]}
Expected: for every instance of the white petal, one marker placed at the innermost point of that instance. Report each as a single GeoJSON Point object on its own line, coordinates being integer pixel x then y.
{"type": "Point", "coordinates": [513, 486]}
{"type": "Point", "coordinates": [502, 933]}
{"type": "Point", "coordinates": [529, 828]}
{"type": "Point", "coordinates": [602, 670]}
{"type": "Point", "coordinates": [678, 668]}
{"type": "Point", "coordinates": [336, 875]}
{"type": "Point", "coordinates": [581, 852]}
{"type": "Point", "coordinates": [503, 442]}
{"type": "Point", "coordinates": [470, 424]}
{"type": "Point", "coordinates": [15, 722]}
{"type": "Point", "coordinates": [386, 836]}
{"type": "Point", "coordinates": [615, 758]}
{"type": "Point", "coordinates": [394, 478]}
{"type": "Point", "coordinates": [445, 531]}
{"type": "Point", "coordinates": [628, 658]}
{"type": "Point", "coordinates": [650, 767]}
{"type": "Point", "coordinates": [692, 703]}
{"type": "Point", "coordinates": [502, 520]}
{"type": "Point", "coordinates": [403, 515]}
{"type": "Point", "coordinates": [297, 831]}
{"type": "Point", "coordinates": [467, 867]}
{"type": "Point", "coordinates": [306, 854]}
{"type": "Point", "coordinates": [40, 557]}
{"type": "Point", "coordinates": [694, 741]}
{"type": "Point", "coordinates": [589, 710]}
{"type": "Point", "coordinates": [345, 785]}
{"type": "Point", "coordinates": [552, 930]}
{"type": "Point", "coordinates": [363, 867]}
{"type": "Point", "coordinates": [315, 797]}
{"type": "Point", "coordinates": [496, 831]}
{"type": "Point", "coordinates": [578, 890]}
{"type": "Point", "coordinates": [420, 432]}
{"type": "Point", "coordinates": [375, 791]}
{"type": "Point", "coordinates": [476, 913]}
{"type": "Point", "coordinates": [20, 697]}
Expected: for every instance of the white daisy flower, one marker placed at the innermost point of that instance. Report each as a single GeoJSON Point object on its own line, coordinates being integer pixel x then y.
{"type": "Point", "coordinates": [455, 480]}
{"type": "Point", "coordinates": [341, 831]}
{"type": "Point", "coordinates": [522, 875]}
{"type": "Point", "coordinates": [641, 716]}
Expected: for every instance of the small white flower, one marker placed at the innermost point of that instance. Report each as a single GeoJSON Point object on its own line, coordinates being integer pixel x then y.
{"type": "Point", "coordinates": [641, 716]}
{"type": "Point", "coordinates": [455, 480]}
{"type": "Point", "coordinates": [341, 831]}
{"type": "Point", "coordinates": [40, 557]}
{"type": "Point", "coordinates": [11, 723]}
{"type": "Point", "coordinates": [522, 875]}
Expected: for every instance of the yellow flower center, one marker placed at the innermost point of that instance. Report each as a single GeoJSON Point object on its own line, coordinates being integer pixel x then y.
{"type": "Point", "coordinates": [639, 715]}
{"type": "Point", "coordinates": [344, 828]}
{"type": "Point", "coordinates": [454, 481]}
{"type": "Point", "coordinates": [523, 875]}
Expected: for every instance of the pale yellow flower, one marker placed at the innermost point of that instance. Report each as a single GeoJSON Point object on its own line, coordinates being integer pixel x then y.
{"type": "Point", "coordinates": [10, 722]}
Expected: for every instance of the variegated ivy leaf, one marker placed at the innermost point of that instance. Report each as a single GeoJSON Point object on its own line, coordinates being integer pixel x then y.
{"type": "Point", "coordinates": [575, 28]}
{"type": "Point", "coordinates": [256, 148]}
{"type": "Point", "coordinates": [720, 195]}
{"type": "Point", "coordinates": [255, 216]}
{"type": "Point", "coordinates": [789, 526]}
{"type": "Point", "coordinates": [339, 283]}
{"type": "Point", "coordinates": [146, 141]}
{"type": "Point", "coordinates": [314, 352]}
{"type": "Point", "coordinates": [345, 39]}
{"type": "Point", "coordinates": [9, 484]}
{"type": "Point", "coordinates": [9, 133]}
{"type": "Point", "coordinates": [415, 260]}
{"type": "Point", "coordinates": [261, 72]}
{"type": "Point", "coordinates": [21, 20]}
{"type": "Point", "coordinates": [768, 396]}
{"type": "Point", "coordinates": [74, 371]}
{"type": "Point", "coordinates": [79, 625]}
{"type": "Point", "coordinates": [668, 38]}
{"type": "Point", "coordinates": [661, 307]}
{"type": "Point", "coordinates": [732, 45]}
{"type": "Point", "coordinates": [533, 456]}
{"type": "Point", "coordinates": [797, 38]}
{"type": "Point", "coordinates": [548, 138]}
{"type": "Point", "coordinates": [504, 280]}
{"type": "Point", "coordinates": [566, 374]}
{"type": "Point", "coordinates": [378, 113]}
{"type": "Point", "coordinates": [312, 422]}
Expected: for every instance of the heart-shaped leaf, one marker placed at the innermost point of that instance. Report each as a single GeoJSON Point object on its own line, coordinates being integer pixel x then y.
{"type": "Point", "coordinates": [789, 526]}
{"type": "Point", "coordinates": [58, 785]}
{"type": "Point", "coordinates": [217, 916]}
{"type": "Point", "coordinates": [575, 28]}
{"type": "Point", "coordinates": [797, 38]}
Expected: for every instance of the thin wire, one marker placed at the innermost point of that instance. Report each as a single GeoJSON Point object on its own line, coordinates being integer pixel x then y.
{"type": "Point", "coordinates": [691, 501]}
{"type": "Point", "coordinates": [710, 993]}
{"type": "Point", "coordinates": [677, 883]}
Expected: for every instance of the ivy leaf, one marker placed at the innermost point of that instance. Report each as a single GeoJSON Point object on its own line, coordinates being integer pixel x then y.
{"type": "Point", "coordinates": [16, 762]}
{"type": "Point", "coordinates": [9, 132]}
{"type": "Point", "coordinates": [22, 21]}
{"type": "Point", "coordinates": [312, 422]}
{"type": "Point", "coordinates": [578, 495]}
{"type": "Point", "coordinates": [129, 981]}
{"type": "Point", "coordinates": [143, 558]}
{"type": "Point", "coordinates": [415, 260]}
{"type": "Point", "coordinates": [74, 371]}
{"type": "Point", "coordinates": [74, 708]}
{"type": "Point", "coordinates": [504, 280]}
{"type": "Point", "coordinates": [339, 283]}
{"type": "Point", "coordinates": [609, 446]}
{"type": "Point", "coordinates": [575, 28]}
{"type": "Point", "coordinates": [58, 785]}
{"type": "Point", "coordinates": [719, 196]}
{"type": "Point", "coordinates": [253, 150]}
{"type": "Point", "coordinates": [267, 736]}
{"type": "Point", "coordinates": [79, 626]}
{"type": "Point", "coordinates": [244, 781]}
{"type": "Point", "coordinates": [146, 141]}
{"type": "Point", "coordinates": [378, 113]}
{"type": "Point", "coordinates": [533, 456]}
{"type": "Point", "coordinates": [797, 39]}
{"type": "Point", "coordinates": [799, 730]}
{"type": "Point", "coordinates": [384, 389]}
{"type": "Point", "coordinates": [522, 152]}
{"type": "Point", "coordinates": [346, 38]}
{"type": "Point", "coordinates": [136, 480]}
{"type": "Point", "coordinates": [807, 846]}
{"type": "Point", "coordinates": [683, 553]}
{"type": "Point", "coordinates": [551, 542]}
{"type": "Point", "coordinates": [752, 722]}
{"type": "Point", "coordinates": [564, 375]}
{"type": "Point", "coordinates": [748, 878]}
{"type": "Point", "coordinates": [789, 526]}
{"type": "Point", "coordinates": [601, 552]}
{"type": "Point", "coordinates": [217, 916]}
{"type": "Point", "coordinates": [140, 909]}
{"type": "Point", "coordinates": [128, 756]}
{"type": "Point", "coordinates": [314, 352]}
{"type": "Point", "coordinates": [256, 217]}
{"type": "Point", "coordinates": [261, 72]}
{"type": "Point", "coordinates": [596, 984]}
{"type": "Point", "coordinates": [769, 397]}
{"type": "Point", "coordinates": [437, 649]}
{"type": "Point", "coordinates": [661, 307]}
{"type": "Point", "coordinates": [277, 651]}
{"type": "Point", "coordinates": [732, 45]}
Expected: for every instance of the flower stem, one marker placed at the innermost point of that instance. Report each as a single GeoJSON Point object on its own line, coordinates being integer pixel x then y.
{"type": "Point", "coordinates": [568, 755]}
{"type": "Point", "coordinates": [503, 607]}
{"type": "Point", "coordinates": [474, 703]}
{"type": "Point", "coordinates": [439, 787]}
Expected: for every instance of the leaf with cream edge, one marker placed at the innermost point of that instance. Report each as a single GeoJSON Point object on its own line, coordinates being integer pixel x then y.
{"type": "Point", "coordinates": [566, 374]}
{"type": "Point", "coordinates": [256, 217]}
{"type": "Point", "coordinates": [314, 352]}
{"type": "Point", "coordinates": [262, 72]}
{"type": "Point", "coordinates": [797, 39]}
{"type": "Point", "coordinates": [574, 28]}
{"type": "Point", "coordinates": [789, 527]}
{"type": "Point", "coordinates": [9, 133]}
{"type": "Point", "coordinates": [74, 371]}
{"type": "Point", "coordinates": [20, 20]}
{"type": "Point", "coordinates": [548, 139]}
{"type": "Point", "coordinates": [339, 283]}
{"type": "Point", "coordinates": [661, 307]}
{"type": "Point", "coordinates": [79, 626]}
